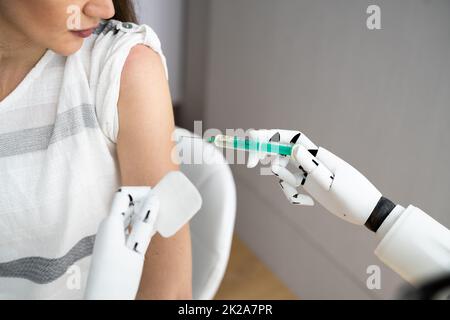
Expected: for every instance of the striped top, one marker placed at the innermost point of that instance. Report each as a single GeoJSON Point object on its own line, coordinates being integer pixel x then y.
{"type": "Point", "coordinates": [58, 163]}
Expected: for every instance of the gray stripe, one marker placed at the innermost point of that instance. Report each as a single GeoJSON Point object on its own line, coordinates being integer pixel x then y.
{"type": "Point", "coordinates": [43, 271]}
{"type": "Point", "coordinates": [67, 124]}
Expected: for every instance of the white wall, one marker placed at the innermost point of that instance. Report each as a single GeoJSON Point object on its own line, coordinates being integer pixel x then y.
{"type": "Point", "coordinates": [380, 99]}
{"type": "Point", "coordinates": [167, 18]}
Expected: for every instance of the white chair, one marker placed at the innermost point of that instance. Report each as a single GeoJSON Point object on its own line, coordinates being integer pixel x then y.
{"type": "Point", "coordinates": [213, 226]}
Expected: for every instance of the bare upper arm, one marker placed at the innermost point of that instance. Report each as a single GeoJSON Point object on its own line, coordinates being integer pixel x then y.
{"type": "Point", "coordinates": [146, 120]}
{"type": "Point", "coordinates": [144, 147]}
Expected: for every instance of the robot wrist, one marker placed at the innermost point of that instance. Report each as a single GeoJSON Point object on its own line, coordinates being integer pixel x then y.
{"type": "Point", "coordinates": [382, 210]}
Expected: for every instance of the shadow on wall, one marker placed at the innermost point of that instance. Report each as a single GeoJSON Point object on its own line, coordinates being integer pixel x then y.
{"type": "Point", "coordinates": [167, 18]}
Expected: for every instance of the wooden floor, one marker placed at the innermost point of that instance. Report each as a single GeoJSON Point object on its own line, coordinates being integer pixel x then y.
{"type": "Point", "coordinates": [247, 278]}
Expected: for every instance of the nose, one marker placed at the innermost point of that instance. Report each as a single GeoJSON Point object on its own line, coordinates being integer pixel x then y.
{"type": "Point", "coordinates": [103, 9]}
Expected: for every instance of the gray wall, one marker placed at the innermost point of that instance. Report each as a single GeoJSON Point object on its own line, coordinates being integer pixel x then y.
{"type": "Point", "coordinates": [379, 99]}
{"type": "Point", "coordinates": [167, 18]}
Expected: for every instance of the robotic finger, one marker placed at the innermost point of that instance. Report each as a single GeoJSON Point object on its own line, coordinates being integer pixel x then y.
{"type": "Point", "coordinates": [122, 205]}
{"type": "Point", "coordinates": [277, 136]}
{"type": "Point", "coordinates": [294, 197]}
{"type": "Point", "coordinates": [125, 201]}
{"type": "Point", "coordinates": [143, 225]}
{"type": "Point", "coordinates": [293, 137]}
{"type": "Point", "coordinates": [313, 168]}
{"type": "Point", "coordinates": [294, 179]}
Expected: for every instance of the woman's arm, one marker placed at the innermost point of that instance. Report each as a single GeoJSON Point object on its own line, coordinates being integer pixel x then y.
{"type": "Point", "coordinates": [144, 147]}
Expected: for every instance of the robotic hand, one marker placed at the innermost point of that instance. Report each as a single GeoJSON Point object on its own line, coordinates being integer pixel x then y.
{"type": "Point", "coordinates": [335, 184]}
{"type": "Point", "coordinates": [412, 243]}
{"type": "Point", "coordinates": [137, 213]}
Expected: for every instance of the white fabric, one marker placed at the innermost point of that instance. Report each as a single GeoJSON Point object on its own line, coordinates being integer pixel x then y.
{"type": "Point", "coordinates": [58, 163]}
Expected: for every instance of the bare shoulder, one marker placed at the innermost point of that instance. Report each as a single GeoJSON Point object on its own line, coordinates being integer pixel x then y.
{"type": "Point", "coordinates": [143, 64]}
{"type": "Point", "coordinates": [144, 92]}
{"type": "Point", "coordinates": [144, 87]}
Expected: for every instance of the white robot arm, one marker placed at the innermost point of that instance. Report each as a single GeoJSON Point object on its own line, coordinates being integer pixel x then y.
{"type": "Point", "coordinates": [137, 213]}
{"type": "Point", "coordinates": [413, 244]}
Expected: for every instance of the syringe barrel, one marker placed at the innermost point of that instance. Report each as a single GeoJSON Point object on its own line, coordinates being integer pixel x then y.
{"type": "Point", "coordinates": [237, 143]}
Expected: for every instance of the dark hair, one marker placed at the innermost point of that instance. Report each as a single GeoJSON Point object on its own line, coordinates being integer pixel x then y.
{"type": "Point", "coordinates": [125, 11]}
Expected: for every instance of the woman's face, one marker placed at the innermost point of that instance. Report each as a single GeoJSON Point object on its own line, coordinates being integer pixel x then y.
{"type": "Point", "coordinates": [51, 24]}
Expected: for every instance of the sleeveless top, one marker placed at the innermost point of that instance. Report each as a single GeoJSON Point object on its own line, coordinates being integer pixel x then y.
{"type": "Point", "coordinates": [58, 164]}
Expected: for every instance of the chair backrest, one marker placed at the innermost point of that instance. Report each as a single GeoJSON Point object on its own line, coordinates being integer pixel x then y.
{"type": "Point", "coordinates": [213, 226]}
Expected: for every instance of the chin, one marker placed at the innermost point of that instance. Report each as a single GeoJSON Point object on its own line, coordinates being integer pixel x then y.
{"type": "Point", "coordinates": [69, 47]}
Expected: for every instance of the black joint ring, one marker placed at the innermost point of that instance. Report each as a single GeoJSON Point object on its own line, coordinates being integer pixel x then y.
{"type": "Point", "coordinates": [382, 210]}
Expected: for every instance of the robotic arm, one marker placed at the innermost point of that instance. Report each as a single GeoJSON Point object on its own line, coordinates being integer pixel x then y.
{"type": "Point", "coordinates": [413, 244]}
{"type": "Point", "coordinates": [123, 237]}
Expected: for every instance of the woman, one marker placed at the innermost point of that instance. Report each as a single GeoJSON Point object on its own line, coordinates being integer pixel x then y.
{"type": "Point", "coordinates": [84, 100]}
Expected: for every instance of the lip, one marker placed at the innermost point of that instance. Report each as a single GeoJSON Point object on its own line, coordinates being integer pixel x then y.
{"type": "Point", "coordinates": [84, 33]}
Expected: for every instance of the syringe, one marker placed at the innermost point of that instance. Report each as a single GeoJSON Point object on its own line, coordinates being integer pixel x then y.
{"type": "Point", "coordinates": [321, 174]}
{"type": "Point", "coordinates": [236, 143]}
